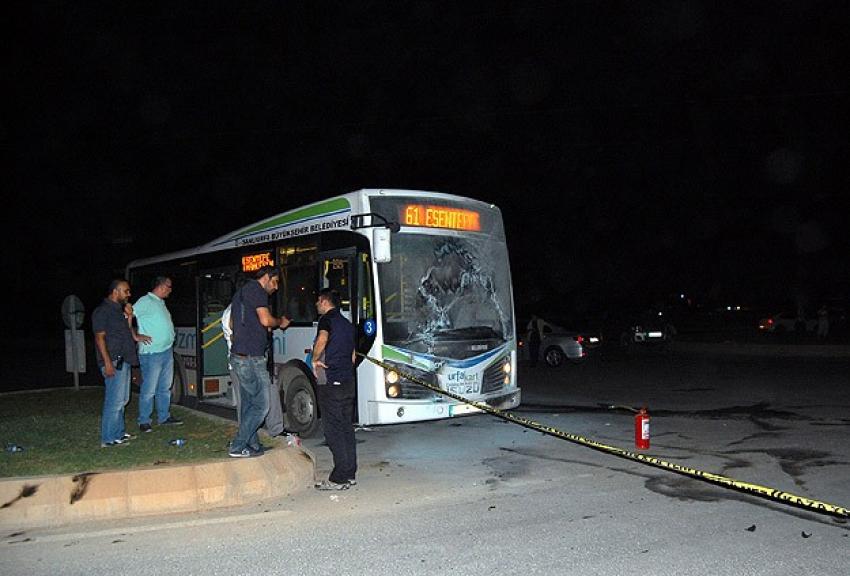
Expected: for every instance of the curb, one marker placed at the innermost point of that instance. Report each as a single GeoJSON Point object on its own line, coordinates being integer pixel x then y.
{"type": "Point", "coordinates": [51, 501]}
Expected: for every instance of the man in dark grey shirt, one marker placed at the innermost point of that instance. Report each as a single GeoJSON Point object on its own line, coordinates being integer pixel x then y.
{"type": "Point", "coordinates": [252, 321]}
{"type": "Point", "coordinates": [116, 353]}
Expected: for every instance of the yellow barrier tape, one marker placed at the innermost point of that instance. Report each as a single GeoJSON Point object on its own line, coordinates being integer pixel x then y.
{"type": "Point", "coordinates": [718, 479]}
{"type": "Point", "coordinates": [212, 341]}
{"type": "Point", "coordinates": [210, 326]}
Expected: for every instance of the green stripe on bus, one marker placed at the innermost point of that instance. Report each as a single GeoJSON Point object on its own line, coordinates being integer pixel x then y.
{"type": "Point", "coordinates": [334, 205]}
{"type": "Point", "coordinates": [391, 354]}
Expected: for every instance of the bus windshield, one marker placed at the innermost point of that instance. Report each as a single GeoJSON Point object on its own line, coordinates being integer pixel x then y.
{"type": "Point", "coordinates": [447, 295]}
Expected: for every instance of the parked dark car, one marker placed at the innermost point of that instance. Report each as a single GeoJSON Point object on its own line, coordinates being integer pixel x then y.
{"type": "Point", "coordinates": [650, 328]}
{"type": "Point", "coordinates": [787, 321]}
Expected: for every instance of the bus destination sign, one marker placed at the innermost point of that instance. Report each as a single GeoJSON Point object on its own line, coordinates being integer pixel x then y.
{"type": "Point", "coordinates": [253, 262]}
{"type": "Point", "coordinates": [430, 216]}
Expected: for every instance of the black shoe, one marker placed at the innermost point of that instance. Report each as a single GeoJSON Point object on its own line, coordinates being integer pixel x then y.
{"type": "Point", "coordinates": [244, 453]}
{"type": "Point", "coordinates": [172, 421]}
{"type": "Point", "coordinates": [329, 485]}
{"type": "Point", "coordinates": [258, 451]}
{"type": "Point", "coordinates": [145, 428]}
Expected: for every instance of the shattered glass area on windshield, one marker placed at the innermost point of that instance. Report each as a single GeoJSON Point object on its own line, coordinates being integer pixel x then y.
{"type": "Point", "coordinates": [447, 295]}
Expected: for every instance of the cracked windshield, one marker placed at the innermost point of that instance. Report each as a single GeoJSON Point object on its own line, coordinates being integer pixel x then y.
{"type": "Point", "coordinates": [447, 295]}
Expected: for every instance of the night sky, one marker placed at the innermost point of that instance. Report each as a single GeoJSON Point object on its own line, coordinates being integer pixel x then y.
{"type": "Point", "coordinates": [636, 149]}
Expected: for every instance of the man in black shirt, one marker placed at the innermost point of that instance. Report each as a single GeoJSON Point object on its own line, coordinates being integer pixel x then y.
{"type": "Point", "coordinates": [252, 322]}
{"type": "Point", "coordinates": [333, 364]}
{"type": "Point", "coordinates": [116, 353]}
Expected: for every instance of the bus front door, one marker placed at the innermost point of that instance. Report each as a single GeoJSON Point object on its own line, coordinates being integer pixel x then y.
{"type": "Point", "coordinates": [215, 288]}
{"type": "Point", "coordinates": [335, 273]}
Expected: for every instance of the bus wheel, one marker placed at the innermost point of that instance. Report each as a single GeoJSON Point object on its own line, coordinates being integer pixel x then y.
{"type": "Point", "coordinates": [302, 413]}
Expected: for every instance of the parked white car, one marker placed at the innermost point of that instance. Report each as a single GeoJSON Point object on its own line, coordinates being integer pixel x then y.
{"type": "Point", "coordinates": [559, 345]}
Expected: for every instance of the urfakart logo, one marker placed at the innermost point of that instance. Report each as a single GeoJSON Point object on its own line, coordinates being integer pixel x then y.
{"type": "Point", "coordinates": [459, 376]}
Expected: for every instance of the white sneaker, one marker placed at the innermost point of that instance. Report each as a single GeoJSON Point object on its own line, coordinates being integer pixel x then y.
{"type": "Point", "coordinates": [118, 442]}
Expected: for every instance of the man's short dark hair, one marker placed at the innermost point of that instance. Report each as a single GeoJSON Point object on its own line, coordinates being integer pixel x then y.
{"type": "Point", "coordinates": [330, 295]}
{"type": "Point", "coordinates": [114, 284]}
{"type": "Point", "coordinates": [270, 270]}
{"type": "Point", "coordinates": [159, 281]}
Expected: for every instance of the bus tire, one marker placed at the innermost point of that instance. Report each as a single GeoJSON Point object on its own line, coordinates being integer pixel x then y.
{"type": "Point", "coordinates": [302, 408]}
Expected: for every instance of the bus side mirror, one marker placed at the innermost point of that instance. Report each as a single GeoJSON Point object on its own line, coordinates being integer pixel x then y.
{"type": "Point", "coordinates": [381, 251]}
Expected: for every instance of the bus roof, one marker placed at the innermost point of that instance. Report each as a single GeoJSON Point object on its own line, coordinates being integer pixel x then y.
{"type": "Point", "coordinates": [320, 213]}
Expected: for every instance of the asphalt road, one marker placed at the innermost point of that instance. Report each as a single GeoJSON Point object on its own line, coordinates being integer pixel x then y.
{"type": "Point", "coordinates": [477, 495]}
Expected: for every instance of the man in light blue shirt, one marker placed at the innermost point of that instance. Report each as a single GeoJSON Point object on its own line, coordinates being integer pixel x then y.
{"type": "Point", "coordinates": [155, 338]}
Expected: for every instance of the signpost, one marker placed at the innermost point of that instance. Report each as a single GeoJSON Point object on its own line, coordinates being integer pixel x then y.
{"type": "Point", "coordinates": [73, 313]}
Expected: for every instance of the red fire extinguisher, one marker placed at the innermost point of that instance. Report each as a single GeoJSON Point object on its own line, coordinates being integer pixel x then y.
{"type": "Point", "coordinates": [642, 429]}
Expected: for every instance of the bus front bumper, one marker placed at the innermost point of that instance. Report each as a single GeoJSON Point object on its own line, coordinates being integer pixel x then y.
{"type": "Point", "coordinates": [391, 412]}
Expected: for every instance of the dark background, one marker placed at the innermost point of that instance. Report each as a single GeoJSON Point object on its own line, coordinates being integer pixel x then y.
{"type": "Point", "coordinates": [637, 150]}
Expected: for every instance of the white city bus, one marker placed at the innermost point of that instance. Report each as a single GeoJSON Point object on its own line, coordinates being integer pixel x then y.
{"type": "Point", "coordinates": [423, 276]}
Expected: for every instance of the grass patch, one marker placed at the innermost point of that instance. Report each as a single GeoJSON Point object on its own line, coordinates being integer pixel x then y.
{"type": "Point", "coordinates": [60, 433]}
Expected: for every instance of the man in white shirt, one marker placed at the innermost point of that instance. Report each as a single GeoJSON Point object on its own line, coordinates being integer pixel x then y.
{"type": "Point", "coordinates": [274, 418]}
{"type": "Point", "coordinates": [227, 329]}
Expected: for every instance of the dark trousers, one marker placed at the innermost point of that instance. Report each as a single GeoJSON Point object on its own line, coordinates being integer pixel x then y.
{"type": "Point", "coordinates": [337, 404]}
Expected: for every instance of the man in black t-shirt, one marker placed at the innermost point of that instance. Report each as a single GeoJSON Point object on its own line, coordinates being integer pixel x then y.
{"type": "Point", "coordinates": [333, 364]}
{"type": "Point", "coordinates": [252, 321]}
{"type": "Point", "coordinates": [116, 353]}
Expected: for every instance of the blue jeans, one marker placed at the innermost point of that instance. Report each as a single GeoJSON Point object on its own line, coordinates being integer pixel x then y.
{"type": "Point", "coordinates": [157, 376]}
{"type": "Point", "coordinates": [254, 382]}
{"type": "Point", "coordinates": [115, 398]}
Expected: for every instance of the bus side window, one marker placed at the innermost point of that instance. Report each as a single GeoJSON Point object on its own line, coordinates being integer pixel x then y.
{"type": "Point", "coordinates": [365, 290]}
{"type": "Point", "coordinates": [298, 294]}
{"type": "Point", "coordinates": [336, 275]}
{"type": "Point", "coordinates": [367, 326]}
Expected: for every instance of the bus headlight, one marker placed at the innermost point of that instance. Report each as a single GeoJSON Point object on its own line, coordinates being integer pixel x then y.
{"type": "Point", "coordinates": [393, 388]}
{"type": "Point", "coordinates": [400, 383]}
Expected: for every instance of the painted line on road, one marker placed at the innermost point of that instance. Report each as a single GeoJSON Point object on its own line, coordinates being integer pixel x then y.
{"type": "Point", "coordinates": [724, 481]}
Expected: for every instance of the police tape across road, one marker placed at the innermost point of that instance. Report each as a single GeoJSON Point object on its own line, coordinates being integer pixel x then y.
{"type": "Point", "coordinates": [724, 481]}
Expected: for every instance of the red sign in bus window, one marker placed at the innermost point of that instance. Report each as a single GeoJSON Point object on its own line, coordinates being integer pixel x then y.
{"type": "Point", "coordinates": [253, 262]}
{"type": "Point", "coordinates": [440, 217]}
